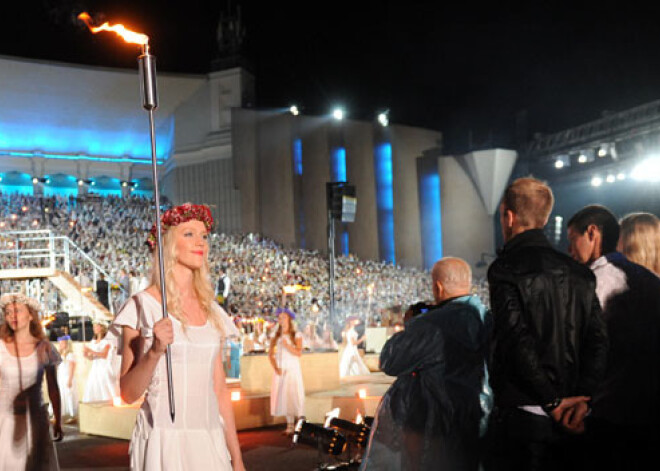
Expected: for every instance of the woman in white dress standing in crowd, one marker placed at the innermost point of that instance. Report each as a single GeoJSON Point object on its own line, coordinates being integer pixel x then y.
{"type": "Point", "coordinates": [66, 379]}
{"type": "Point", "coordinates": [25, 354]}
{"type": "Point", "coordinates": [101, 382]}
{"type": "Point", "coordinates": [351, 363]}
{"type": "Point", "coordinates": [203, 432]}
{"type": "Point", "coordinates": [287, 394]}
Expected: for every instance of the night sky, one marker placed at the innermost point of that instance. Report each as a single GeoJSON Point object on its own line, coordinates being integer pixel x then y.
{"type": "Point", "coordinates": [466, 70]}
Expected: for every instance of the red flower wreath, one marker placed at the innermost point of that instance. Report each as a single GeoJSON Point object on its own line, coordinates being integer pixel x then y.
{"type": "Point", "coordinates": [178, 215]}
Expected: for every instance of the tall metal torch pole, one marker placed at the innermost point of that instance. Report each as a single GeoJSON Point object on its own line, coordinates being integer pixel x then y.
{"type": "Point", "coordinates": [150, 103]}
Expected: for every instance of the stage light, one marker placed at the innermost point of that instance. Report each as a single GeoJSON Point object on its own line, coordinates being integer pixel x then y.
{"type": "Point", "coordinates": [596, 181]}
{"type": "Point", "coordinates": [582, 158]}
{"type": "Point", "coordinates": [333, 414]}
{"type": "Point", "coordinates": [327, 439]}
{"type": "Point", "coordinates": [124, 184]}
{"type": "Point", "coordinates": [358, 433]}
{"type": "Point", "coordinates": [294, 110]}
{"type": "Point", "coordinates": [235, 396]}
{"type": "Point", "coordinates": [610, 178]}
{"type": "Point", "coordinates": [338, 114]}
{"type": "Point", "coordinates": [81, 182]}
{"type": "Point", "coordinates": [383, 118]}
{"type": "Point", "coordinates": [602, 150]}
{"type": "Point", "coordinates": [648, 170]}
{"type": "Point", "coordinates": [35, 180]}
{"type": "Point", "coordinates": [559, 164]}
{"type": "Point", "coordinates": [621, 176]}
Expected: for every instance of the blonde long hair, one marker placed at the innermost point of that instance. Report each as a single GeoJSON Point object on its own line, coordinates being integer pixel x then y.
{"type": "Point", "coordinates": [640, 240]}
{"type": "Point", "coordinates": [201, 284]}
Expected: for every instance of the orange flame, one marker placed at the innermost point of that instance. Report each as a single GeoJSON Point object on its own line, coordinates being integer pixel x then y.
{"type": "Point", "coordinates": [126, 34]}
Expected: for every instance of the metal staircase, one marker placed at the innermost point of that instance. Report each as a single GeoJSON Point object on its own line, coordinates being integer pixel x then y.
{"type": "Point", "coordinates": [42, 254]}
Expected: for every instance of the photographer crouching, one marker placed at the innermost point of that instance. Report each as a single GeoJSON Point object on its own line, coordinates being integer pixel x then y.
{"type": "Point", "coordinates": [432, 416]}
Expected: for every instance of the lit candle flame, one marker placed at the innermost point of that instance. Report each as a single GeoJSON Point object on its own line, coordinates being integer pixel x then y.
{"type": "Point", "coordinates": [126, 34]}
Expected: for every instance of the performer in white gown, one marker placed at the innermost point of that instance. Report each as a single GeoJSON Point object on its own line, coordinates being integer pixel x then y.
{"type": "Point", "coordinates": [203, 433]}
{"type": "Point", "coordinates": [25, 354]}
{"type": "Point", "coordinates": [101, 382]}
{"type": "Point", "coordinates": [287, 394]}
{"type": "Point", "coordinates": [351, 363]}
{"type": "Point", "coordinates": [66, 379]}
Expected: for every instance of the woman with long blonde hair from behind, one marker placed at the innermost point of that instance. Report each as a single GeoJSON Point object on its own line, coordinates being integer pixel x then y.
{"type": "Point", "coordinates": [203, 432]}
{"type": "Point", "coordinates": [639, 240]}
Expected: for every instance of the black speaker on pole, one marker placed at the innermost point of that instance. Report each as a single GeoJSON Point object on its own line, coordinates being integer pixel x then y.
{"type": "Point", "coordinates": [341, 200]}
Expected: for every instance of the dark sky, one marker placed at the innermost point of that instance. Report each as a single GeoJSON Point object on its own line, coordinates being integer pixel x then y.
{"type": "Point", "coordinates": [461, 69]}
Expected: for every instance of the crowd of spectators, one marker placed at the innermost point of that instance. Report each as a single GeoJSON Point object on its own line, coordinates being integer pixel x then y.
{"type": "Point", "coordinates": [112, 231]}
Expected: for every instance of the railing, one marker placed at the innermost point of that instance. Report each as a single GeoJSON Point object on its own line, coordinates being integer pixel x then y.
{"type": "Point", "coordinates": [45, 249]}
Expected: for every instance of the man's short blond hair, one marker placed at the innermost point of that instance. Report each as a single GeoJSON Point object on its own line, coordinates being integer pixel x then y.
{"type": "Point", "coordinates": [531, 200]}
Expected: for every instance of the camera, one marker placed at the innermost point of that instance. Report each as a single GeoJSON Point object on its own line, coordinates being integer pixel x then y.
{"type": "Point", "coordinates": [417, 309]}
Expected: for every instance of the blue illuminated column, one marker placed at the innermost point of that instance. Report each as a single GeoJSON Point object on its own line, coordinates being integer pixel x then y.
{"type": "Point", "coordinates": [338, 174]}
{"type": "Point", "coordinates": [430, 210]}
{"type": "Point", "coordinates": [385, 201]}
{"type": "Point", "coordinates": [298, 192]}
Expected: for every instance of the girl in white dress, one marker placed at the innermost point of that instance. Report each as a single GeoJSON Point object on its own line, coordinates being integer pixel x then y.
{"type": "Point", "coordinates": [101, 382]}
{"type": "Point", "coordinates": [25, 354]}
{"type": "Point", "coordinates": [66, 379]}
{"type": "Point", "coordinates": [351, 363]}
{"type": "Point", "coordinates": [202, 434]}
{"type": "Point", "coordinates": [287, 394]}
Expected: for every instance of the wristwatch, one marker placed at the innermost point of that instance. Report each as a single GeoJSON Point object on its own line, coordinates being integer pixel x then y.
{"type": "Point", "coordinates": [551, 406]}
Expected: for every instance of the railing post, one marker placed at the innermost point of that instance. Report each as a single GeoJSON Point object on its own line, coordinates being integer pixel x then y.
{"type": "Point", "coordinates": [67, 267]}
{"type": "Point", "coordinates": [51, 248]}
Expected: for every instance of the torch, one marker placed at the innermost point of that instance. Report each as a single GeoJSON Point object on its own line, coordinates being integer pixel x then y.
{"type": "Point", "coordinates": [147, 65]}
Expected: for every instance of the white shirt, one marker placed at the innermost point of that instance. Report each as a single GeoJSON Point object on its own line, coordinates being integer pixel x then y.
{"type": "Point", "coordinates": [610, 280]}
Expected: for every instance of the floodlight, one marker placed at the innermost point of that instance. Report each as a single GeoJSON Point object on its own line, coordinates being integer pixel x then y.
{"type": "Point", "coordinates": [338, 114]}
{"type": "Point", "coordinates": [327, 439]}
{"type": "Point", "coordinates": [648, 170]}
{"type": "Point", "coordinates": [596, 181]}
{"type": "Point", "coordinates": [294, 110]}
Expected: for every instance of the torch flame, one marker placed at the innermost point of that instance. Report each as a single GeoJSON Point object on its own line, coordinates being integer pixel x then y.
{"type": "Point", "coordinates": [126, 34]}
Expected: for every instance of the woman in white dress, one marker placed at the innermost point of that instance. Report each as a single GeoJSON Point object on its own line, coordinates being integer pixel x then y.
{"type": "Point", "coordinates": [25, 354]}
{"type": "Point", "coordinates": [66, 379]}
{"type": "Point", "coordinates": [202, 434]}
{"type": "Point", "coordinates": [287, 393]}
{"type": "Point", "coordinates": [101, 382]}
{"type": "Point", "coordinates": [351, 363]}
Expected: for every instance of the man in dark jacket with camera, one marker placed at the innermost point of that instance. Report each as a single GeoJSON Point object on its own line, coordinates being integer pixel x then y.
{"type": "Point", "coordinates": [549, 344]}
{"type": "Point", "coordinates": [431, 416]}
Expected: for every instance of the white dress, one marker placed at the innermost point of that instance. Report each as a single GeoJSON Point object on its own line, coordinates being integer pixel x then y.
{"type": "Point", "coordinates": [24, 428]}
{"type": "Point", "coordinates": [196, 439]}
{"type": "Point", "coordinates": [287, 393]}
{"type": "Point", "coordinates": [68, 395]}
{"type": "Point", "coordinates": [101, 382]}
{"type": "Point", "coordinates": [351, 363]}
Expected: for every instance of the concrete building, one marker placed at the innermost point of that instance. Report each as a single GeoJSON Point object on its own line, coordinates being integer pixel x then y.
{"type": "Point", "coordinates": [68, 129]}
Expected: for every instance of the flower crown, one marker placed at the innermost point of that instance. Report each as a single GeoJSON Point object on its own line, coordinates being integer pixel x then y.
{"type": "Point", "coordinates": [19, 298]}
{"type": "Point", "coordinates": [178, 215]}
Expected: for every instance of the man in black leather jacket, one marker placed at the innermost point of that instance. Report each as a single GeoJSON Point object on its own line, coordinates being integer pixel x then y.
{"type": "Point", "coordinates": [549, 345]}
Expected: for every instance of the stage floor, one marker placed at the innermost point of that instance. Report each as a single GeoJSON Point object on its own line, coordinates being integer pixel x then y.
{"type": "Point", "coordinates": [358, 394]}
